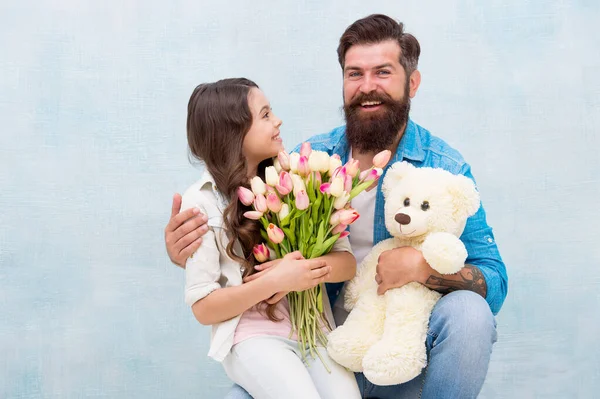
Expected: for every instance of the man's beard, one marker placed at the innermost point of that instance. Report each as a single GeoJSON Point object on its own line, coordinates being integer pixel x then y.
{"type": "Point", "coordinates": [376, 131]}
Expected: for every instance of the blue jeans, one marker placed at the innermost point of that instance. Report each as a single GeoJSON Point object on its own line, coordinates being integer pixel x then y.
{"type": "Point", "coordinates": [462, 331]}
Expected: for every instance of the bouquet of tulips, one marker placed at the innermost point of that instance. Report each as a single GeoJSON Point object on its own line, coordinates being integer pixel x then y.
{"type": "Point", "coordinates": [304, 205]}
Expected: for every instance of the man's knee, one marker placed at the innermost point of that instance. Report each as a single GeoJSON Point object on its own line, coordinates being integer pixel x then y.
{"type": "Point", "coordinates": [463, 314]}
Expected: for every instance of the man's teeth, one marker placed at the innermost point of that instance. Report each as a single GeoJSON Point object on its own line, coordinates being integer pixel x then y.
{"type": "Point", "coordinates": [366, 103]}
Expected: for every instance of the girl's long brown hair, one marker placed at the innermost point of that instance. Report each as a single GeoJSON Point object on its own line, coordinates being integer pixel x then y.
{"type": "Point", "coordinates": [219, 118]}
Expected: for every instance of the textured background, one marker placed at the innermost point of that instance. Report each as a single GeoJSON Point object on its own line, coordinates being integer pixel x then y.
{"type": "Point", "coordinates": [92, 146]}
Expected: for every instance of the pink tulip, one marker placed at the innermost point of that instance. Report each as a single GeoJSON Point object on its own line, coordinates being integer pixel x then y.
{"type": "Point", "coordinates": [260, 203]}
{"type": "Point", "coordinates": [261, 253]}
{"type": "Point", "coordinates": [273, 202]}
{"type": "Point", "coordinates": [302, 201]}
{"type": "Point", "coordinates": [318, 180]}
{"type": "Point", "coordinates": [339, 228]}
{"type": "Point", "coordinates": [275, 234]}
{"type": "Point", "coordinates": [352, 167]}
{"type": "Point", "coordinates": [303, 169]}
{"type": "Point", "coordinates": [334, 220]}
{"type": "Point", "coordinates": [339, 172]}
{"type": "Point", "coordinates": [382, 159]}
{"type": "Point", "coordinates": [348, 216]}
{"type": "Point", "coordinates": [344, 234]}
{"type": "Point", "coordinates": [348, 183]}
{"type": "Point", "coordinates": [253, 215]}
{"type": "Point", "coordinates": [284, 160]}
{"type": "Point", "coordinates": [370, 175]}
{"type": "Point", "coordinates": [285, 184]}
{"type": "Point", "coordinates": [305, 150]}
{"type": "Point", "coordinates": [324, 188]}
{"type": "Point", "coordinates": [246, 196]}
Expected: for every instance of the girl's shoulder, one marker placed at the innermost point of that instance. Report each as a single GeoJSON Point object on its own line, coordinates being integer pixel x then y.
{"type": "Point", "coordinates": [203, 195]}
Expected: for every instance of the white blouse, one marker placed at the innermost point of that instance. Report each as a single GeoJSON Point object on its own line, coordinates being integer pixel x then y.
{"type": "Point", "coordinates": [210, 268]}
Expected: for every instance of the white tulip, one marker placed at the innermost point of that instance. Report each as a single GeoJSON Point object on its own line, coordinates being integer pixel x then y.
{"type": "Point", "coordinates": [271, 176]}
{"type": "Point", "coordinates": [258, 186]}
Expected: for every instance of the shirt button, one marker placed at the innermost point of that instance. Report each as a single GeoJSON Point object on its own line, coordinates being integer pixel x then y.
{"type": "Point", "coordinates": [490, 240]}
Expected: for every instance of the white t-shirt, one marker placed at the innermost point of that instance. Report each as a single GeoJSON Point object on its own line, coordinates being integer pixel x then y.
{"type": "Point", "coordinates": [361, 241]}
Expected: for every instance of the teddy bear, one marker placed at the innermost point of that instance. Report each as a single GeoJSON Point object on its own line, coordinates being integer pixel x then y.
{"type": "Point", "coordinates": [384, 335]}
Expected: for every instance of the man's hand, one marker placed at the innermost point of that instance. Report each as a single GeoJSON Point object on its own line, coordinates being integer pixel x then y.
{"type": "Point", "coordinates": [400, 266]}
{"type": "Point", "coordinates": [183, 234]}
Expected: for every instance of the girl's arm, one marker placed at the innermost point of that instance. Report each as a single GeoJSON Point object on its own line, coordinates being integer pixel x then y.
{"type": "Point", "coordinates": [226, 303]}
{"type": "Point", "coordinates": [343, 266]}
{"type": "Point", "coordinates": [341, 260]}
{"type": "Point", "coordinates": [293, 273]}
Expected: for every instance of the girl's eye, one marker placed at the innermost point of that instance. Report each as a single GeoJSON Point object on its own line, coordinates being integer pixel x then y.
{"type": "Point", "coordinates": [266, 115]}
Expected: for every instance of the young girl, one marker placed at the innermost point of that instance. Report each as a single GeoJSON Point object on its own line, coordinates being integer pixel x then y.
{"type": "Point", "coordinates": [233, 131]}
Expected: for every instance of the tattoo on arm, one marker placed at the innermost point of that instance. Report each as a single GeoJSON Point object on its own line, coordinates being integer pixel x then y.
{"type": "Point", "coordinates": [469, 278]}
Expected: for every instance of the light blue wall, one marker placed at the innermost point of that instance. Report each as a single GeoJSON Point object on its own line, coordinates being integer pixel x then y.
{"type": "Point", "coordinates": [92, 146]}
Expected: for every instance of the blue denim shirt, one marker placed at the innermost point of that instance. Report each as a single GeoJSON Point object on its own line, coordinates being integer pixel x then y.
{"type": "Point", "coordinates": [422, 149]}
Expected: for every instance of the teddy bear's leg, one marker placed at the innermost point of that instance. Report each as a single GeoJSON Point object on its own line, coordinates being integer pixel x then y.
{"type": "Point", "coordinates": [348, 343]}
{"type": "Point", "coordinates": [401, 353]}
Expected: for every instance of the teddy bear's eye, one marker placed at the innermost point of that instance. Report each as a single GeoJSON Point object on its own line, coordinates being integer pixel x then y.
{"type": "Point", "coordinates": [425, 205]}
{"type": "Point", "coordinates": [407, 202]}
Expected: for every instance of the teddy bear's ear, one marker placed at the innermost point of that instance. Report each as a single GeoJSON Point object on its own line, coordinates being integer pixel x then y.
{"type": "Point", "coordinates": [394, 174]}
{"type": "Point", "coordinates": [465, 196]}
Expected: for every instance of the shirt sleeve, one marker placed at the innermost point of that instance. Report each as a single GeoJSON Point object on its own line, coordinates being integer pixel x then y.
{"type": "Point", "coordinates": [483, 253]}
{"type": "Point", "coordinates": [202, 269]}
{"type": "Point", "coordinates": [342, 245]}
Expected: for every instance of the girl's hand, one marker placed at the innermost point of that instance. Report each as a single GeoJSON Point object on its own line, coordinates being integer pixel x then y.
{"type": "Point", "coordinates": [292, 273]}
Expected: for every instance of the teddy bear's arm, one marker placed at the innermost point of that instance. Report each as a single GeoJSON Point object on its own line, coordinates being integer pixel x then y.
{"type": "Point", "coordinates": [444, 252]}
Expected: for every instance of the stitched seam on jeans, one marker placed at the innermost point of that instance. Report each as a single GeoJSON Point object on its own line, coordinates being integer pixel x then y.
{"type": "Point", "coordinates": [432, 334]}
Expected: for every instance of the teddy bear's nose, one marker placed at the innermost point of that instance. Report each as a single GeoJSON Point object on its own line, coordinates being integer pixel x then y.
{"type": "Point", "coordinates": [402, 218]}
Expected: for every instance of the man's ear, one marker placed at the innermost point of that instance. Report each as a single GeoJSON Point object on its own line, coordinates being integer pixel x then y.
{"type": "Point", "coordinates": [414, 83]}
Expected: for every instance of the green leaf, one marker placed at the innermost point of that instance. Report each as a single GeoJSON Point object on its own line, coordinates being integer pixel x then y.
{"type": "Point", "coordinates": [328, 244]}
{"type": "Point", "coordinates": [264, 235]}
{"type": "Point", "coordinates": [310, 189]}
{"type": "Point", "coordinates": [291, 235]}
{"type": "Point", "coordinates": [316, 209]}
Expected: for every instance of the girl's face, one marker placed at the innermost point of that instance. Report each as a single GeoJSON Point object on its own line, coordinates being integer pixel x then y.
{"type": "Point", "coordinates": [262, 140]}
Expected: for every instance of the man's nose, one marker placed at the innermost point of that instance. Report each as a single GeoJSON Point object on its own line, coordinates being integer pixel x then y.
{"type": "Point", "coordinates": [367, 85]}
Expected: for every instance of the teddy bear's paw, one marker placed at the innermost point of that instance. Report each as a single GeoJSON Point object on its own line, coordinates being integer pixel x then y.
{"type": "Point", "coordinates": [444, 252]}
{"type": "Point", "coordinates": [386, 364]}
{"type": "Point", "coordinates": [348, 347]}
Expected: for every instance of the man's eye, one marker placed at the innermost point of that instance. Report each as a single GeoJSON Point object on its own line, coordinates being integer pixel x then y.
{"type": "Point", "coordinates": [353, 74]}
{"type": "Point", "coordinates": [383, 72]}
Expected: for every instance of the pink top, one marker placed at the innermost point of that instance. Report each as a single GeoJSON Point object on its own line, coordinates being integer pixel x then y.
{"type": "Point", "coordinates": [254, 323]}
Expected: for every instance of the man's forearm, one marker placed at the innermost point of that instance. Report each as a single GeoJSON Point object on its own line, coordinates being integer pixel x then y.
{"type": "Point", "coordinates": [468, 278]}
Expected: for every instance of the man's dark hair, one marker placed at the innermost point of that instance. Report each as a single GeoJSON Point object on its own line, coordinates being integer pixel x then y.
{"type": "Point", "coordinates": [377, 28]}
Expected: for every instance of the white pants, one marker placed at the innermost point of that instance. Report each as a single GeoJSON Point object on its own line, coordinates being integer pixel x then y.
{"type": "Point", "coordinates": [271, 367]}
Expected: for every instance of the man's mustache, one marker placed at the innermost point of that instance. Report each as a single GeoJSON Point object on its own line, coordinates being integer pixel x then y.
{"type": "Point", "coordinates": [380, 97]}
